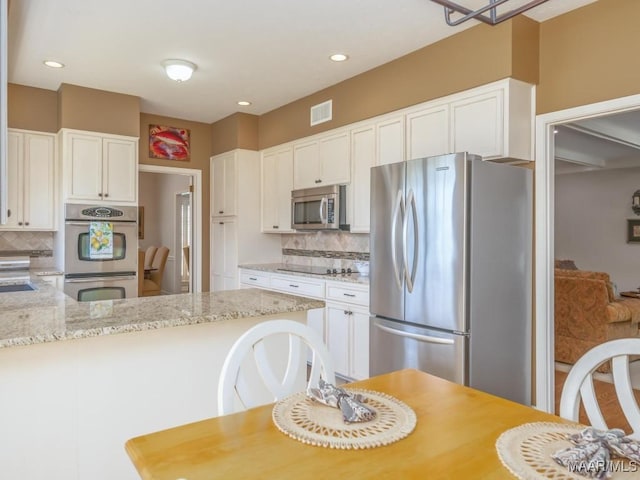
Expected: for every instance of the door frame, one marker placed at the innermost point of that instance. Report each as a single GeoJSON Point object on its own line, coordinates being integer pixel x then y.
{"type": "Point", "coordinates": [196, 212]}
{"type": "Point", "coordinates": [544, 235]}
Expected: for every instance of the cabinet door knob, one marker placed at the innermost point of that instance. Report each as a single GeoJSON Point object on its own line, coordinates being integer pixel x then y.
{"type": "Point", "coordinates": [19, 223]}
{"type": "Point", "coordinates": [318, 181]}
{"type": "Point", "coordinates": [221, 211]}
{"type": "Point", "coordinates": [26, 223]}
{"type": "Point", "coordinates": [275, 226]}
{"type": "Point", "coordinates": [100, 194]}
{"type": "Point", "coordinates": [106, 194]}
{"type": "Point", "coordinates": [8, 212]}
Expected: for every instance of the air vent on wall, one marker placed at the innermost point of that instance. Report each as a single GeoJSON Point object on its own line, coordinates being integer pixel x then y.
{"type": "Point", "coordinates": [321, 112]}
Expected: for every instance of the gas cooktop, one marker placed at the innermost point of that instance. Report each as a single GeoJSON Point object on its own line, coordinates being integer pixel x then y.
{"type": "Point", "coordinates": [316, 270]}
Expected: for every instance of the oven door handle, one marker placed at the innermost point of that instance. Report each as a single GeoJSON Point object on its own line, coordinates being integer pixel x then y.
{"type": "Point", "coordinates": [88, 222]}
{"type": "Point", "coordinates": [114, 278]}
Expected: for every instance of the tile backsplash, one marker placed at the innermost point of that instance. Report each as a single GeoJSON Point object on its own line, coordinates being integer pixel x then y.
{"type": "Point", "coordinates": [37, 245]}
{"type": "Point", "coordinates": [325, 249]}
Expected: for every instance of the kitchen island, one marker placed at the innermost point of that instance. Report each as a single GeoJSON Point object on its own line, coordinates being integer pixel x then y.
{"type": "Point", "coordinates": [78, 379]}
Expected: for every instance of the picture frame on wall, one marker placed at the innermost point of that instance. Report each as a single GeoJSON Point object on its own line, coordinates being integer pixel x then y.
{"type": "Point", "coordinates": [169, 143]}
{"type": "Point", "coordinates": [633, 230]}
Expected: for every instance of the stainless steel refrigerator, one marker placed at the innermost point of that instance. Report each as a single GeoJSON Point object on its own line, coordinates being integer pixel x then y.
{"type": "Point", "coordinates": [450, 271]}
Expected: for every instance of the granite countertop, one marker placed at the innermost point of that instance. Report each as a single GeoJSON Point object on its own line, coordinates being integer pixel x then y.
{"type": "Point", "coordinates": [48, 315]}
{"type": "Point", "coordinates": [277, 268]}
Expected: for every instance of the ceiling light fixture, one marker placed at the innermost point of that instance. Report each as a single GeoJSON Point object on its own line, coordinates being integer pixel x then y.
{"type": "Point", "coordinates": [53, 64]}
{"type": "Point", "coordinates": [493, 18]}
{"type": "Point", "coordinates": [339, 57]}
{"type": "Point", "coordinates": [244, 103]}
{"type": "Point", "coordinates": [179, 70]}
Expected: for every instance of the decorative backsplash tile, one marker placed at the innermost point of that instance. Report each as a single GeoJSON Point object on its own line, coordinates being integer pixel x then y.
{"type": "Point", "coordinates": [37, 245]}
{"type": "Point", "coordinates": [325, 249]}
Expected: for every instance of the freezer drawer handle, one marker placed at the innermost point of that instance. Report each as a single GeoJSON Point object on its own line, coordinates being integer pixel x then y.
{"type": "Point", "coordinates": [415, 336]}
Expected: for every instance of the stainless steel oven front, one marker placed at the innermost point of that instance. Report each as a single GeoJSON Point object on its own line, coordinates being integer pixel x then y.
{"type": "Point", "coordinates": [101, 252]}
{"type": "Point", "coordinates": [108, 287]}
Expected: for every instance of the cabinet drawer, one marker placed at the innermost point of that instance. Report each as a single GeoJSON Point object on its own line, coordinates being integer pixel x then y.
{"type": "Point", "coordinates": [257, 279]}
{"type": "Point", "coordinates": [298, 287]}
{"type": "Point", "coordinates": [348, 294]}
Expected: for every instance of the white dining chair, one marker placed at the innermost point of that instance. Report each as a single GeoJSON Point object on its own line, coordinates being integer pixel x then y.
{"type": "Point", "coordinates": [235, 389]}
{"type": "Point", "coordinates": [579, 384]}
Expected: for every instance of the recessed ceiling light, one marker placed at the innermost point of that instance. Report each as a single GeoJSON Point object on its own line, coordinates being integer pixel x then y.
{"type": "Point", "coordinates": [53, 64]}
{"type": "Point", "coordinates": [244, 103]}
{"type": "Point", "coordinates": [338, 57]}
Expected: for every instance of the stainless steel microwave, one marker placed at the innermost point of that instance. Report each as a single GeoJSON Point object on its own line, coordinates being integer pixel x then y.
{"type": "Point", "coordinates": [320, 208]}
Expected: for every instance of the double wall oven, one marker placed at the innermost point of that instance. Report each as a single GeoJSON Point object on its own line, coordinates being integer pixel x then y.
{"type": "Point", "coordinates": [101, 252]}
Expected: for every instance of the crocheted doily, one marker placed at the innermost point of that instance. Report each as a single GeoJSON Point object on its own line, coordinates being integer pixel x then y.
{"type": "Point", "coordinates": [316, 424]}
{"type": "Point", "coordinates": [526, 452]}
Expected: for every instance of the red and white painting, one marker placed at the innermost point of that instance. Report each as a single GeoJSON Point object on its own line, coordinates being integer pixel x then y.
{"type": "Point", "coordinates": [168, 143]}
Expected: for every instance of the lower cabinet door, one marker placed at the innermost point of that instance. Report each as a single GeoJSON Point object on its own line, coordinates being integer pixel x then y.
{"type": "Point", "coordinates": [360, 344]}
{"type": "Point", "coordinates": [338, 337]}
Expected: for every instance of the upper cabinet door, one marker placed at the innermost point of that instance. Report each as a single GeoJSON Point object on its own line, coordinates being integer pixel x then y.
{"type": "Point", "coordinates": [223, 183]}
{"type": "Point", "coordinates": [119, 170]}
{"type": "Point", "coordinates": [363, 157]}
{"type": "Point", "coordinates": [334, 159]}
{"type": "Point", "coordinates": [428, 132]}
{"type": "Point", "coordinates": [83, 168]}
{"type": "Point", "coordinates": [477, 124]}
{"type": "Point", "coordinates": [307, 171]}
{"type": "Point", "coordinates": [277, 183]}
{"type": "Point", "coordinates": [390, 140]}
{"type": "Point", "coordinates": [39, 182]}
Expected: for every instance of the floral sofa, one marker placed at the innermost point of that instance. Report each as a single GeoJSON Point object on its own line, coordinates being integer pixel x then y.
{"type": "Point", "coordinates": [587, 313]}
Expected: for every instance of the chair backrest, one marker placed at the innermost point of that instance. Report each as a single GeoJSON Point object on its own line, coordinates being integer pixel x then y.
{"type": "Point", "coordinates": [159, 261]}
{"type": "Point", "coordinates": [234, 388]}
{"type": "Point", "coordinates": [148, 256]}
{"type": "Point", "coordinates": [579, 384]}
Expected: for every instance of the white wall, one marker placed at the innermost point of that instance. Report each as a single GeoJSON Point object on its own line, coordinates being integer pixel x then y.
{"type": "Point", "coordinates": [157, 193]}
{"type": "Point", "coordinates": [591, 215]}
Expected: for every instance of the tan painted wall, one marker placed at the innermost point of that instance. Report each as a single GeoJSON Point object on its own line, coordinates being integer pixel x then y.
{"type": "Point", "coordinates": [98, 111]}
{"type": "Point", "coordinates": [32, 108]}
{"type": "Point", "coordinates": [239, 130]}
{"type": "Point", "coordinates": [589, 55]}
{"type": "Point", "coordinates": [474, 57]}
{"type": "Point", "coordinates": [200, 153]}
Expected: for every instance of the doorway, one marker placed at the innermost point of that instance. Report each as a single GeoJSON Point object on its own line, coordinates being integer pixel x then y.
{"type": "Point", "coordinates": [545, 233]}
{"type": "Point", "coordinates": [172, 201]}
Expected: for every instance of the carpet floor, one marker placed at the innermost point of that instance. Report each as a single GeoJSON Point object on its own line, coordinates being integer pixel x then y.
{"type": "Point", "coordinates": [607, 399]}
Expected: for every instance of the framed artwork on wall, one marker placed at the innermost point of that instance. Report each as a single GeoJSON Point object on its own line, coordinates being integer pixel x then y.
{"type": "Point", "coordinates": [169, 143]}
{"type": "Point", "coordinates": [633, 231]}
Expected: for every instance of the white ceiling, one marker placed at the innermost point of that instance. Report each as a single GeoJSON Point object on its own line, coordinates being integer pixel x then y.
{"type": "Point", "coordinates": [270, 52]}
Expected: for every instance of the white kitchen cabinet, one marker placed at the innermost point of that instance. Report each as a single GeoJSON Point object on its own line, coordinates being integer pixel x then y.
{"type": "Point", "coordinates": [99, 168]}
{"type": "Point", "coordinates": [348, 339]}
{"type": "Point", "coordinates": [31, 186]}
{"type": "Point", "coordinates": [495, 121]}
{"type": "Point", "coordinates": [223, 184]}
{"type": "Point", "coordinates": [374, 144]}
{"type": "Point", "coordinates": [277, 183]}
{"type": "Point", "coordinates": [428, 132]}
{"type": "Point", "coordinates": [237, 239]}
{"type": "Point", "coordinates": [390, 139]}
{"type": "Point", "coordinates": [224, 254]}
{"type": "Point", "coordinates": [363, 157]}
{"type": "Point", "coordinates": [322, 161]}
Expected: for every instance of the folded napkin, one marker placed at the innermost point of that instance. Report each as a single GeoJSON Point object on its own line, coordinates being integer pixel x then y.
{"type": "Point", "coordinates": [351, 404]}
{"type": "Point", "coordinates": [592, 451]}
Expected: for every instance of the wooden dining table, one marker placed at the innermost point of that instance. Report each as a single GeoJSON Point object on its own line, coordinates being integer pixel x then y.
{"type": "Point", "coordinates": [455, 436]}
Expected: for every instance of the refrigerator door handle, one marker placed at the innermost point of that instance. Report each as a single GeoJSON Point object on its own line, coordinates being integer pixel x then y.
{"type": "Point", "coordinates": [410, 277]}
{"type": "Point", "coordinates": [416, 336]}
{"type": "Point", "coordinates": [397, 210]}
